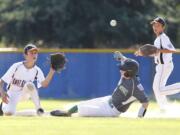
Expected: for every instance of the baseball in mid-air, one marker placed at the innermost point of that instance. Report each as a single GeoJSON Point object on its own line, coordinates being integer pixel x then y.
{"type": "Point", "coordinates": [113, 23]}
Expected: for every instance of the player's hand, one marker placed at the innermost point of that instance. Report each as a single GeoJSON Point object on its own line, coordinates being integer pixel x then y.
{"type": "Point", "coordinates": [138, 53]}
{"type": "Point", "coordinates": [119, 56]}
{"type": "Point", "coordinates": [4, 97]}
{"type": "Point", "coordinates": [51, 70]}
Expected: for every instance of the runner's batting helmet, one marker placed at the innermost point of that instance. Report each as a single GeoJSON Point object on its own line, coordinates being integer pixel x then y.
{"type": "Point", "coordinates": [131, 66]}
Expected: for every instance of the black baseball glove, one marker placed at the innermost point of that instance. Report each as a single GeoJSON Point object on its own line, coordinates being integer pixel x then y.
{"type": "Point", "coordinates": [58, 61]}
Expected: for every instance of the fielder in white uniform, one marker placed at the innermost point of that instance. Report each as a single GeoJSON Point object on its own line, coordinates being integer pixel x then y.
{"type": "Point", "coordinates": [20, 78]}
{"type": "Point", "coordinates": [164, 64]}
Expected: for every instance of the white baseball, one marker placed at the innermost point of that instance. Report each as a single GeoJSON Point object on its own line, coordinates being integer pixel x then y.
{"type": "Point", "coordinates": [113, 23]}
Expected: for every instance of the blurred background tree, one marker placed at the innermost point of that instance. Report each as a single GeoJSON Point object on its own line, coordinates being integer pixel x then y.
{"type": "Point", "coordinates": [85, 23]}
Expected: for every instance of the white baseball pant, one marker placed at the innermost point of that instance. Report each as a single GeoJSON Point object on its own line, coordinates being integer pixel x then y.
{"type": "Point", "coordinates": [98, 107]}
{"type": "Point", "coordinates": [163, 72]}
{"type": "Point", "coordinates": [28, 91]}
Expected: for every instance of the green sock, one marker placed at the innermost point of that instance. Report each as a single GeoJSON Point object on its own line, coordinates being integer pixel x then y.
{"type": "Point", "coordinates": [73, 109]}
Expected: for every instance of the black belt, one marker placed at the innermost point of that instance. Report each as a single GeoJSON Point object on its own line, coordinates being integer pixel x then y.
{"type": "Point", "coordinates": [163, 62]}
{"type": "Point", "coordinates": [111, 103]}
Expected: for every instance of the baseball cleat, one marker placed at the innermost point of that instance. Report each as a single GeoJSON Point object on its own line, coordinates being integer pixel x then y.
{"type": "Point", "coordinates": [59, 113]}
{"type": "Point", "coordinates": [40, 111]}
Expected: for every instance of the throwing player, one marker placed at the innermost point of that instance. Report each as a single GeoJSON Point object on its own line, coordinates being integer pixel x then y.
{"type": "Point", "coordinates": [164, 64]}
{"type": "Point", "coordinates": [128, 90]}
{"type": "Point", "coordinates": [19, 79]}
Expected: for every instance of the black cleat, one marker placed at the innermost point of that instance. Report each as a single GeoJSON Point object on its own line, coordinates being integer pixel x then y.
{"type": "Point", "coordinates": [1, 112]}
{"type": "Point", "coordinates": [59, 113]}
{"type": "Point", "coordinates": [40, 111]}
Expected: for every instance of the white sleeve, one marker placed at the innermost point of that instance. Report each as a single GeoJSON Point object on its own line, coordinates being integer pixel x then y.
{"type": "Point", "coordinates": [166, 43]}
{"type": "Point", "coordinates": [7, 77]}
{"type": "Point", "coordinates": [40, 77]}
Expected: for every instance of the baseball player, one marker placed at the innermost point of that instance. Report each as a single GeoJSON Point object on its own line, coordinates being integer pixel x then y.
{"type": "Point", "coordinates": [164, 64]}
{"type": "Point", "coordinates": [20, 79]}
{"type": "Point", "coordinates": [128, 90]}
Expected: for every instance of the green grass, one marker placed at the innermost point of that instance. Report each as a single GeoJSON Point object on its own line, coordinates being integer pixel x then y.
{"type": "Point", "coordinates": [85, 126]}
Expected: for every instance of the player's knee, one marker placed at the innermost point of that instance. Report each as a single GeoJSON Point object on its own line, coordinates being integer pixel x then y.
{"type": "Point", "coordinates": [162, 88]}
{"type": "Point", "coordinates": [8, 114]}
{"type": "Point", "coordinates": [30, 86]}
{"type": "Point", "coordinates": [8, 111]}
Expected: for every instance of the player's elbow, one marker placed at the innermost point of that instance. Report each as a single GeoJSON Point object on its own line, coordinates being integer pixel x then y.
{"type": "Point", "coordinates": [44, 84]}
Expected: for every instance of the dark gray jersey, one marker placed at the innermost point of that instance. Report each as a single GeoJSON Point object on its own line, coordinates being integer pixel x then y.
{"type": "Point", "coordinates": [127, 91]}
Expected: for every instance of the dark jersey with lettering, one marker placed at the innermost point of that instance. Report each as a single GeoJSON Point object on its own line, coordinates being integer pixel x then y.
{"type": "Point", "coordinates": [128, 91]}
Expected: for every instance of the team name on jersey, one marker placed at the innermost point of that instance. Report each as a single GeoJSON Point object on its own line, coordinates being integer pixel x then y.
{"type": "Point", "coordinates": [140, 87]}
{"type": "Point", "coordinates": [123, 90]}
{"type": "Point", "coordinates": [19, 83]}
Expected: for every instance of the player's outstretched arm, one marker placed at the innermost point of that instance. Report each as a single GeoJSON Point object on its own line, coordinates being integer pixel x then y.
{"type": "Point", "coordinates": [48, 78]}
{"type": "Point", "coordinates": [142, 110]}
{"type": "Point", "coordinates": [167, 51]}
{"type": "Point", "coordinates": [57, 61]}
{"type": "Point", "coordinates": [119, 56]}
{"type": "Point", "coordinates": [147, 50]}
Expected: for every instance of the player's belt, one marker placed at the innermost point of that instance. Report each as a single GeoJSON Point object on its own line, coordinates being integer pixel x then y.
{"type": "Point", "coordinates": [111, 103]}
{"type": "Point", "coordinates": [157, 62]}
{"type": "Point", "coordinates": [112, 106]}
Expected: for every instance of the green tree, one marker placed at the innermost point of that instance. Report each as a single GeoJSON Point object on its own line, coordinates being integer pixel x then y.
{"type": "Point", "coordinates": [84, 23]}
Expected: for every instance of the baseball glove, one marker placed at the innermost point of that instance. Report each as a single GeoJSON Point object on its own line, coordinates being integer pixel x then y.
{"type": "Point", "coordinates": [58, 61]}
{"type": "Point", "coordinates": [119, 56]}
{"type": "Point", "coordinates": [147, 50]}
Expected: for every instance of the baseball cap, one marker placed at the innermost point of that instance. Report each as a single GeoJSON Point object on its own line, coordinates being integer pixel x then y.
{"type": "Point", "coordinates": [159, 20]}
{"type": "Point", "coordinates": [30, 47]}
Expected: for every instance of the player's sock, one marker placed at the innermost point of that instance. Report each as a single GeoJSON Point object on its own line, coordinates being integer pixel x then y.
{"type": "Point", "coordinates": [142, 112]}
{"type": "Point", "coordinates": [73, 109]}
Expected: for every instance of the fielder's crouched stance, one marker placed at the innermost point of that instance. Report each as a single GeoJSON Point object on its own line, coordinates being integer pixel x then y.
{"type": "Point", "coordinates": [14, 96]}
{"type": "Point", "coordinates": [19, 79]}
{"type": "Point", "coordinates": [127, 91]}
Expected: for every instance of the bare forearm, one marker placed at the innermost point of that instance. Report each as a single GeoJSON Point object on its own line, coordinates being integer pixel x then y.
{"type": "Point", "coordinates": [166, 51]}
{"type": "Point", "coordinates": [48, 78]}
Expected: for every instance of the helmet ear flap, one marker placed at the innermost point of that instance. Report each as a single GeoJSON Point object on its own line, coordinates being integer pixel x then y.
{"type": "Point", "coordinates": [126, 74]}
{"type": "Point", "coordinates": [129, 74]}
